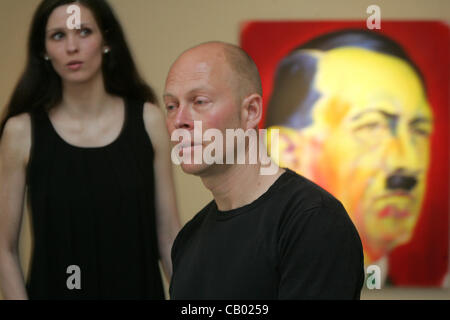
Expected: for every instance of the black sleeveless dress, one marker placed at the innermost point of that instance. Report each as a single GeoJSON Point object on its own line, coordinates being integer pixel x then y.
{"type": "Point", "coordinates": [93, 208]}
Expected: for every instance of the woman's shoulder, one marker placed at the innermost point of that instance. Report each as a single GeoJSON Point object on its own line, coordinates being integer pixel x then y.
{"type": "Point", "coordinates": [153, 115]}
{"type": "Point", "coordinates": [16, 136]}
{"type": "Point", "coordinates": [18, 127]}
{"type": "Point", "coordinates": [155, 125]}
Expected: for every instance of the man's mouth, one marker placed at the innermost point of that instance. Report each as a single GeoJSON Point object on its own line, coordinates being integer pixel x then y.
{"type": "Point", "coordinates": [392, 211]}
{"type": "Point", "coordinates": [185, 147]}
{"type": "Point", "coordinates": [398, 193]}
{"type": "Point", "coordinates": [395, 201]}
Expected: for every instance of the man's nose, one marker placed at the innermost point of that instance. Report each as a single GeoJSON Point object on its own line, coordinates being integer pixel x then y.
{"type": "Point", "coordinates": [183, 118]}
{"type": "Point", "coordinates": [403, 154]}
{"type": "Point", "coordinates": [403, 162]}
{"type": "Point", "coordinates": [71, 43]}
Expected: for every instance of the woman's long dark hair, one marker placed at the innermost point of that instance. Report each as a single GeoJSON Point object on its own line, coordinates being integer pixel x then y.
{"type": "Point", "coordinates": [40, 86]}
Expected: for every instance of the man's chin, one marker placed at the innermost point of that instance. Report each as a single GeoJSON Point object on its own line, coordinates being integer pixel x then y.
{"type": "Point", "coordinates": [194, 169]}
{"type": "Point", "coordinates": [392, 239]}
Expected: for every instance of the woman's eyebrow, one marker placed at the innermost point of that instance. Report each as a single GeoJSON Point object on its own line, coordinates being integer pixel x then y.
{"type": "Point", "coordinates": [82, 25]}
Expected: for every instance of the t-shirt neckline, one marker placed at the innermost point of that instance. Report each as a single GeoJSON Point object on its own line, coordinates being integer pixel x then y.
{"type": "Point", "coordinates": [227, 214]}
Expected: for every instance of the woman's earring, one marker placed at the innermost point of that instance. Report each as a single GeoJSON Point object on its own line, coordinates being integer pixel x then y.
{"type": "Point", "coordinates": [106, 50]}
{"type": "Point", "coordinates": [46, 58]}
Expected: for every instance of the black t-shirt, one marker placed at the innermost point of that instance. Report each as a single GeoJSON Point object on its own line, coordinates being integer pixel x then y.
{"type": "Point", "coordinates": [295, 241]}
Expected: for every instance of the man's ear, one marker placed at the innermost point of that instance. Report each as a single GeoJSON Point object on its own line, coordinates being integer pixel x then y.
{"type": "Point", "coordinates": [287, 147]}
{"type": "Point", "coordinates": [251, 112]}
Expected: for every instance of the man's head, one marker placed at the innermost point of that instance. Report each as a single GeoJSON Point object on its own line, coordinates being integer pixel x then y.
{"type": "Point", "coordinates": [354, 117]}
{"type": "Point", "coordinates": [215, 83]}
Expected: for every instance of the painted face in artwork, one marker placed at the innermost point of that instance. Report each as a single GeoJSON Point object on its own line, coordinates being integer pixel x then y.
{"type": "Point", "coordinates": [368, 142]}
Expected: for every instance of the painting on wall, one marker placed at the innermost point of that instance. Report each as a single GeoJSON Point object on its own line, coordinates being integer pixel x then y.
{"type": "Point", "coordinates": [365, 114]}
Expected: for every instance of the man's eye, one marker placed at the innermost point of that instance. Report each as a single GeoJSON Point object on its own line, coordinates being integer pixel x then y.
{"type": "Point", "coordinates": [369, 126]}
{"type": "Point", "coordinates": [170, 107]}
{"type": "Point", "coordinates": [200, 101]}
{"type": "Point", "coordinates": [421, 131]}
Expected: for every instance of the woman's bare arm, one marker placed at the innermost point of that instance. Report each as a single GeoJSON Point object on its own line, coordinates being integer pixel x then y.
{"type": "Point", "coordinates": [167, 219]}
{"type": "Point", "coordinates": [14, 153]}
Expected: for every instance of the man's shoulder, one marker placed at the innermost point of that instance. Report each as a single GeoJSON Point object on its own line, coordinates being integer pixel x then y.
{"type": "Point", "coordinates": [197, 219]}
{"type": "Point", "coordinates": [314, 212]}
{"type": "Point", "coordinates": [201, 215]}
{"type": "Point", "coordinates": [301, 202]}
{"type": "Point", "coordinates": [305, 193]}
{"type": "Point", "coordinates": [188, 230]}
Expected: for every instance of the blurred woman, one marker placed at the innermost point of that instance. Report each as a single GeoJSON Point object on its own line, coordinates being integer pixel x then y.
{"type": "Point", "coordinates": [83, 135]}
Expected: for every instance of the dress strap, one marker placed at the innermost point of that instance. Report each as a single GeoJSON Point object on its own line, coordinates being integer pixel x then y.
{"type": "Point", "coordinates": [136, 127]}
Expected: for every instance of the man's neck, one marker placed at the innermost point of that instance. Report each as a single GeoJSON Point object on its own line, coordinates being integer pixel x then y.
{"type": "Point", "coordinates": [238, 185]}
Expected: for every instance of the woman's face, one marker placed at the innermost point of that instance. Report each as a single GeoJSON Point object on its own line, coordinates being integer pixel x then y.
{"type": "Point", "coordinates": [76, 55]}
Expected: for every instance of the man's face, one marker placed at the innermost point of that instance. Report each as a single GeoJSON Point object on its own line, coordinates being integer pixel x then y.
{"type": "Point", "coordinates": [200, 87]}
{"type": "Point", "coordinates": [369, 142]}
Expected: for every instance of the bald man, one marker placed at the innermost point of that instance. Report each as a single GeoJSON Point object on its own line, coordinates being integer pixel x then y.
{"type": "Point", "coordinates": [276, 236]}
